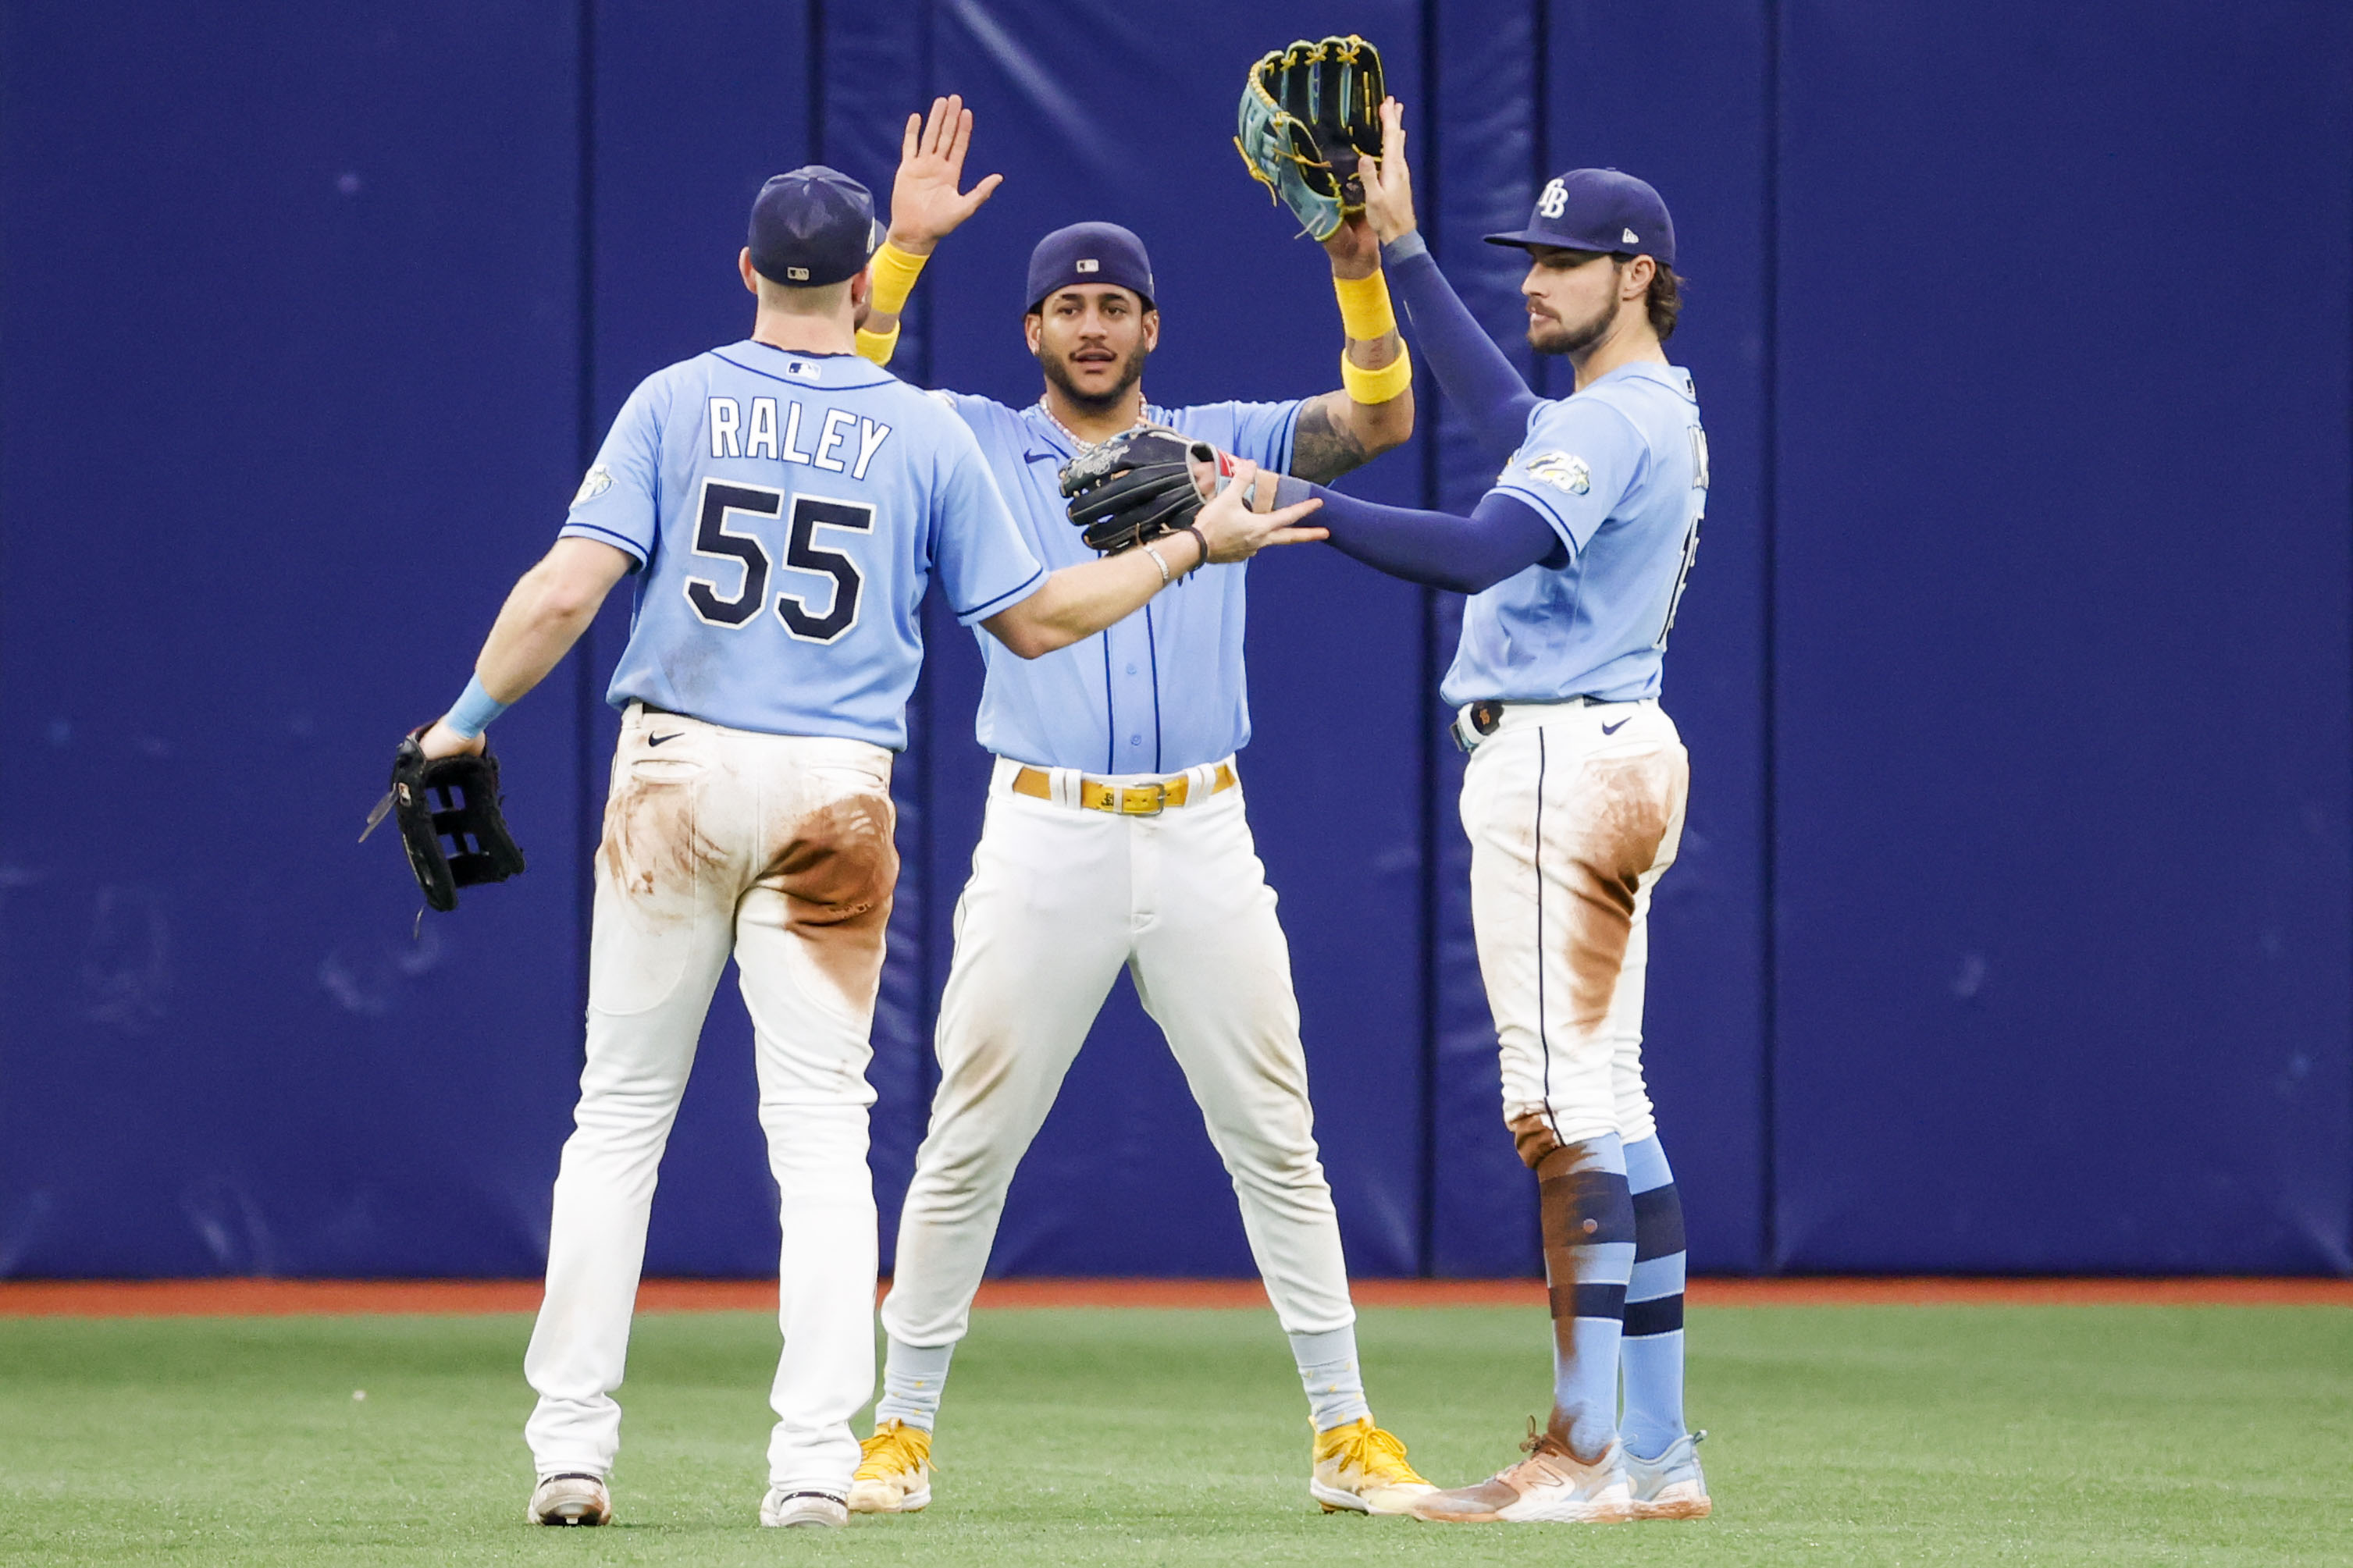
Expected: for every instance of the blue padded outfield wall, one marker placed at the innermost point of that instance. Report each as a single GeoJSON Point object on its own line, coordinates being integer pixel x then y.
{"type": "Point", "coordinates": [2013, 930]}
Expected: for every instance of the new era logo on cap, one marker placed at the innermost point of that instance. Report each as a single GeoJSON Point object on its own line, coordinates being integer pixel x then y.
{"type": "Point", "coordinates": [1631, 237]}
{"type": "Point", "coordinates": [1088, 264]}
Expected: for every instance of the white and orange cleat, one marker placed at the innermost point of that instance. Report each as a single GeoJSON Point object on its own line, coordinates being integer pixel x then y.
{"type": "Point", "coordinates": [1361, 1469]}
{"type": "Point", "coordinates": [574, 1497]}
{"type": "Point", "coordinates": [1671, 1486]}
{"type": "Point", "coordinates": [1551, 1486]}
{"type": "Point", "coordinates": [895, 1476]}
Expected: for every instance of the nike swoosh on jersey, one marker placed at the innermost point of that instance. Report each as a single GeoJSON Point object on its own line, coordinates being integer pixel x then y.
{"type": "Point", "coordinates": [1613, 729]}
{"type": "Point", "coordinates": [658, 740]}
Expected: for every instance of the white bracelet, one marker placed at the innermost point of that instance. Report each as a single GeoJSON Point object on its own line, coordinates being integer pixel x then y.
{"type": "Point", "coordinates": [1156, 561]}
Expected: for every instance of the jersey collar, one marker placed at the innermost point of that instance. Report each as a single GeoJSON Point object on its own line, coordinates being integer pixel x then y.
{"type": "Point", "coordinates": [1674, 377]}
{"type": "Point", "coordinates": [835, 372]}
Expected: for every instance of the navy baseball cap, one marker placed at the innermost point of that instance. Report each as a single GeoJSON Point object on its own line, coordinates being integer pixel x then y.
{"type": "Point", "coordinates": [813, 226]}
{"type": "Point", "coordinates": [1599, 210]}
{"type": "Point", "coordinates": [1089, 253]}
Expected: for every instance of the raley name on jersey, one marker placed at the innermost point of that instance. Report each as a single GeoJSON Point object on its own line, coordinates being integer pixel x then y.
{"type": "Point", "coordinates": [827, 441]}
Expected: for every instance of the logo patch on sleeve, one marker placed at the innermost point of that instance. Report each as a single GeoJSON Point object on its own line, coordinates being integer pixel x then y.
{"type": "Point", "coordinates": [1562, 470]}
{"type": "Point", "coordinates": [600, 480]}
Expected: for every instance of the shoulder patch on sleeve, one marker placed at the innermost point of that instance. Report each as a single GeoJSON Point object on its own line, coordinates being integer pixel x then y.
{"type": "Point", "coordinates": [598, 480]}
{"type": "Point", "coordinates": [1563, 471]}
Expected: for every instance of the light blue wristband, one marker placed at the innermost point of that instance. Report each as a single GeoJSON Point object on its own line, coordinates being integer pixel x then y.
{"type": "Point", "coordinates": [473, 711]}
{"type": "Point", "coordinates": [1403, 247]}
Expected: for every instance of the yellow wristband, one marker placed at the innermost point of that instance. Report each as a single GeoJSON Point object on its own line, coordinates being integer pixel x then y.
{"type": "Point", "coordinates": [895, 272]}
{"type": "Point", "coordinates": [877, 346]}
{"type": "Point", "coordinates": [1364, 310]}
{"type": "Point", "coordinates": [1376, 386]}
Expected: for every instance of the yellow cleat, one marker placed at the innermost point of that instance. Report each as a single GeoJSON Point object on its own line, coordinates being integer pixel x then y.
{"type": "Point", "coordinates": [1362, 1469]}
{"type": "Point", "coordinates": [895, 1476]}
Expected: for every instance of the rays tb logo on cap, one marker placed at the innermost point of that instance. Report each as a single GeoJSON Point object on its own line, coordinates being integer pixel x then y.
{"type": "Point", "coordinates": [1599, 210]}
{"type": "Point", "coordinates": [813, 226]}
{"type": "Point", "coordinates": [1089, 253]}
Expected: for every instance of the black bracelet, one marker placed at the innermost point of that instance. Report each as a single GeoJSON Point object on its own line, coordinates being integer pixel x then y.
{"type": "Point", "coordinates": [1203, 540]}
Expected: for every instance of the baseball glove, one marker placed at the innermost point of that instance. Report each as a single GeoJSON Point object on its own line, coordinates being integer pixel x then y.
{"type": "Point", "coordinates": [1135, 488]}
{"type": "Point", "coordinates": [1308, 113]}
{"type": "Point", "coordinates": [452, 798]}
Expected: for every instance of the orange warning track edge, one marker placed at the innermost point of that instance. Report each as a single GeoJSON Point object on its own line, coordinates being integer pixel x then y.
{"type": "Point", "coordinates": [277, 1298]}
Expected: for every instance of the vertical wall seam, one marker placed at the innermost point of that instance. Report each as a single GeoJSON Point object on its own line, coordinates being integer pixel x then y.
{"type": "Point", "coordinates": [927, 787]}
{"type": "Point", "coordinates": [585, 831]}
{"type": "Point", "coordinates": [1428, 905]}
{"type": "Point", "coordinates": [813, 81]}
{"type": "Point", "coordinates": [1769, 517]}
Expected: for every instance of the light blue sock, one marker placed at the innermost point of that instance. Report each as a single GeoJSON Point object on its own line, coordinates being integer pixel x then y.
{"type": "Point", "coordinates": [912, 1376]}
{"type": "Point", "coordinates": [1652, 1354]}
{"type": "Point", "coordinates": [1328, 1371]}
{"type": "Point", "coordinates": [1589, 1246]}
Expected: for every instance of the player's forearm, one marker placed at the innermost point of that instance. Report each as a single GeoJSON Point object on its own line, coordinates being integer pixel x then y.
{"type": "Point", "coordinates": [545, 614]}
{"type": "Point", "coordinates": [1464, 554]}
{"type": "Point", "coordinates": [1079, 600]}
{"type": "Point", "coordinates": [1372, 412]}
{"type": "Point", "coordinates": [1474, 374]}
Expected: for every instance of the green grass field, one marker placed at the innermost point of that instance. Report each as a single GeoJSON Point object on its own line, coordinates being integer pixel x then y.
{"type": "Point", "coordinates": [1868, 1435]}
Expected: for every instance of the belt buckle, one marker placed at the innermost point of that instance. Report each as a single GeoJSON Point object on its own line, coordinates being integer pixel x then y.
{"type": "Point", "coordinates": [1155, 797]}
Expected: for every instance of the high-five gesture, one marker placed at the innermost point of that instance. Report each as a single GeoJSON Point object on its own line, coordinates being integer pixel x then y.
{"type": "Point", "coordinates": [1388, 184]}
{"type": "Point", "coordinates": [925, 204]}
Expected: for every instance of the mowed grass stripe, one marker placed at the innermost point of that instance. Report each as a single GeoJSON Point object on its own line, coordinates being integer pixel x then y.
{"type": "Point", "coordinates": [1865, 1434]}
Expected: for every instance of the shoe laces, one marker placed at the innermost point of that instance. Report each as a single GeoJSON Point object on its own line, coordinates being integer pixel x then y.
{"type": "Point", "coordinates": [1380, 1453]}
{"type": "Point", "coordinates": [895, 1448]}
{"type": "Point", "coordinates": [1541, 1444]}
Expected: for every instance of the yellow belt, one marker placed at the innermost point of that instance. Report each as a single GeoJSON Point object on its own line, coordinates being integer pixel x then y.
{"type": "Point", "coordinates": [1124, 800]}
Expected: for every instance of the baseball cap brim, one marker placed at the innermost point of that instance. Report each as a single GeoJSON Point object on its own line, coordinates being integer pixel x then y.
{"type": "Point", "coordinates": [1534, 238]}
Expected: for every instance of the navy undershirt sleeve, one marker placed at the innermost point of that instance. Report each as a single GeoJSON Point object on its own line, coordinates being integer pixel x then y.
{"type": "Point", "coordinates": [1502, 536]}
{"type": "Point", "coordinates": [1483, 385]}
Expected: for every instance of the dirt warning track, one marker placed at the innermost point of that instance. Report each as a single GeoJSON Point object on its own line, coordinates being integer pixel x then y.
{"type": "Point", "coordinates": [277, 1298]}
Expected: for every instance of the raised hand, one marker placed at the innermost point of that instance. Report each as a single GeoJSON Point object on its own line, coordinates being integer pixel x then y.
{"type": "Point", "coordinates": [925, 204]}
{"type": "Point", "coordinates": [1354, 249]}
{"type": "Point", "coordinates": [1388, 184]}
{"type": "Point", "coordinates": [1235, 533]}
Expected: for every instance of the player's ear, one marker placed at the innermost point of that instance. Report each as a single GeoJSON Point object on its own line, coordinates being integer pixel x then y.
{"type": "Point", "coordinates": [1151, 330]}
{"type": "Point", "coordinates": [1033, 329]}
{"type": "Point", "coordinates": [743, 265]}
{"type": "Point", "coordinates": [1635, 282]}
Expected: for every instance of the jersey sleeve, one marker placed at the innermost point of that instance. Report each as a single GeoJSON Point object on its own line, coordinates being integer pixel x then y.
{"type": "Point", "coordinates": [1580, 458]}
{"type": "Point", "coordinates": [619, 500]}
{"type": "Point", "coordinates": [1262, 432]}
{"type": "Point", "coordinates": [984, 566]}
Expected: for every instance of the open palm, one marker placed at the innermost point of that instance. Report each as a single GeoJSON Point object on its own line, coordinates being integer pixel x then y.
{"type": "Point", "coordinates": [926, 204]}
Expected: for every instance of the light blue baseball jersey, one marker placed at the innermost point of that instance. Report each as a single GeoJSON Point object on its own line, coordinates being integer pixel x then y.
{"type": "Point", "coordinates": [1620, 472]}
{"type": "Point", "coordinates": [788, 513]}
{"type": "Point", "coordinates": [1159, 691]}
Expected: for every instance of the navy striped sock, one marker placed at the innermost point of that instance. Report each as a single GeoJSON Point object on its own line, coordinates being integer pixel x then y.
{"type": "Point", "coordinates": [1589, 1246]}
{"type": "Point", "coordinates": [1652, 1354]}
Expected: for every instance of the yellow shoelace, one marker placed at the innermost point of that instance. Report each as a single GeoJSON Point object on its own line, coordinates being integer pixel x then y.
{"type": "Point", "coordinates": [898, 1448]}
{"type": "Point", "coordinates": [1379, 1454]}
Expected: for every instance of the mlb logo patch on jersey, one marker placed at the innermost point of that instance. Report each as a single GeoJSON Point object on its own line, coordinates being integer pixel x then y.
{"type": "Point", "coordinates": [802, 370]}
{"type": "Point", "coordinates": [598, 480]}
{"type": "Point", "coordinates": [1562, 471]}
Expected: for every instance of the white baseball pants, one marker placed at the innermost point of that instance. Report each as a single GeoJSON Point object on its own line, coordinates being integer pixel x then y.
{"type": "Point", "coordinates": [777, 848]}
{"type": "Point", "coordinates": [1574, 812]}
{"type": "Point", "coordinates": [1061, 898]}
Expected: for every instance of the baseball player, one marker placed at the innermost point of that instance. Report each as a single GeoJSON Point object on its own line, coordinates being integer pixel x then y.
{"type": "Point", "coordinates": [784, 507]}
{"type": "Point", "coordinates": [1573, 794]}
{"type": "Point", "coordinates": [1115, 837]}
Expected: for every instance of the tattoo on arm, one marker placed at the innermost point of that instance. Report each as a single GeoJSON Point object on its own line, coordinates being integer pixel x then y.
{"type": "Point", "coordinates": [1322, 447]}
